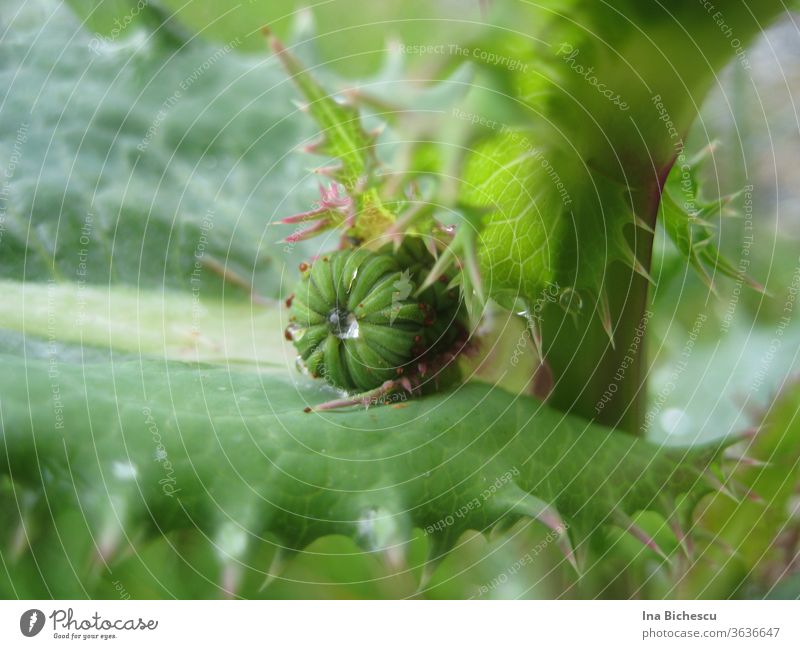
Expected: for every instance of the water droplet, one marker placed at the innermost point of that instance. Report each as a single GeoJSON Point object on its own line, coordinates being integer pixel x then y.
{"type": "Point", "coordinates": [521, 307]}
{"type": "Point", "coordinates": [294, 332]}
{"type": "Point", "coordinates": [571, 301]}
{"type": "Point", "coordinates": [343, 325]}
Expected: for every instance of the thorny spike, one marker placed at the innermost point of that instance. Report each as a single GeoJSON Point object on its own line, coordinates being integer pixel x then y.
{"type": "Point", "coordinates": [531, 506]}
{"type": "Point", "coordinates": [605, 316]}
{"type": "Point", "coordinates": [332, 207]}
{"type": "Point", "coordinates": [706, 151]}
{"type": "Point", "coordinates": [684, 540]}
{"type": "Point", "coordinates": [744, 460]}
{"type": "Point", "coordinates": [694, 260]}
{"type": "Point", "coordinates": [715, 482]}
{"type": "Point", "coordinates": [623, 521]}
{"type": "Point", "coordinates": [473, 270]}
{"type": "Point", "coordinates": [314, 147]}
{"type": "Point", "coordinates": [633, 261]}
{"type": "Point", "coordinates": [745, 491]}
{"type": "Point", "coordinates": [231, 579]}
{"type": "Point", "coordinates": [331, 171]}
{"type": "Point", "coordinates": [363, 399]}
{"type": "Point", "coordinates": [437, 551]}
{"type": "Point", "coordinates": [303, 24]}
{"type": "Point", "coordinates": [394, 557]}
{"type": "Point", "coordinates": [108, 544]}
{"type": "Point", "coordinates": [696, 220]}
{"type": "Point", "coordinates": [438, 269]}
{"type": "Point", "coordinates": [430, 244]}
{"type": "Point", "coordinates": [749, 433]}
{"type": "Point", "coordinates": [376, 132]}
{"type": "Point", "coordinates": [300, 105]}
{"type": "Point", "coordinates": [319, 226]}
{"type": "Point", "coordinates": [19, 541]}
{"type": "Point", "coordinates": [302, 217]}
{"type": "Point", "coordinates": [642, 224]}
{"type": "Point", "coordinates": [276, 567]}
{"type": "Point", "coordinates": [536, 335]}
{"type": "Point", "coordinates": [381, 531]}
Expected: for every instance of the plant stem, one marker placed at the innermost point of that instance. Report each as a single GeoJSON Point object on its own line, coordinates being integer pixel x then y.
{"type": "Point", "coordinates": [595, 379]}
{"type": "Point", "coordinates": [664, 89]}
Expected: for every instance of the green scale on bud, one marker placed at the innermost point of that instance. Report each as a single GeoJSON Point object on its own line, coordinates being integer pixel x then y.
{"type": "Point", "coordinates": [357, 322]}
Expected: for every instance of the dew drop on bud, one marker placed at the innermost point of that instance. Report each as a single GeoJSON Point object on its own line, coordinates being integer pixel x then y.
{"type": "Point", "coordinates": [294, 332]}
{"type": "Point", "coordinates": [571, 301]}
{"type": "Point", "coordinates": [521, 308]}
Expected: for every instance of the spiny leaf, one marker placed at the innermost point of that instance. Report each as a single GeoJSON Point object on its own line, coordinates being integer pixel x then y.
{"type": "Point", "coordinates": [144, 448]}
{"type": "Point", "coordinates": [117, 151]}
{"type": "Point", "coordinates": [342, 135]}
{"type": "Point", "coordinates": [687, 220]}
{"type": "Point", "coordinates": [551, 220]}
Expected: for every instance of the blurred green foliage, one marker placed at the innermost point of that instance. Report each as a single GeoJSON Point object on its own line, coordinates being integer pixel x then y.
{"type": "Point", "coordinates": [226, 146]}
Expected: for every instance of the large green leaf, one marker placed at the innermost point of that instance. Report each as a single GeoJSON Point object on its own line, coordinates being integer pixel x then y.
{"type": "Point", "coordinates": [138, 159]}
{"type": "Point", "coordinates": [143, 448]}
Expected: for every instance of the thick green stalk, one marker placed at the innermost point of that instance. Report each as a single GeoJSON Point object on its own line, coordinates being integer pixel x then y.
{"type": "Point", "coordinates": [595, 378]}
{"type": "Point", "coordinates": [663, 64]}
